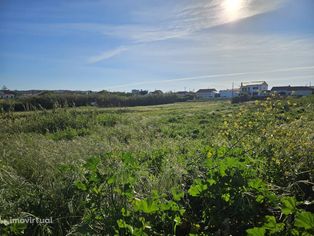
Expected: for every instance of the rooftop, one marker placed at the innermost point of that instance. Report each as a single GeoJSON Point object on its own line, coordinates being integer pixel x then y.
{"type": "Point", "coordinates": [206, 90]}
{"type": "Point", "coordinates": [229, 90]}
{"type": "Point", "coordinates": [252, 83]}
{"type": "Point", "coordinates": [291, 88]}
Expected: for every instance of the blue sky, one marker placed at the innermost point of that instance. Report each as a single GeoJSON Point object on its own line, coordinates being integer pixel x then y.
{"type": "Point", "coordinates": [150, 44]}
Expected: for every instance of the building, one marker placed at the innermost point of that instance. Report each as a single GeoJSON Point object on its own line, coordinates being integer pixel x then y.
{"type": "Point", "coordinates": [28, 93]}
{"type": "Point", "coordinates": [293, 90]}
{"type": "Point", "coordinates": [135, 91]}
{"type": "Point", "coordinates": [206, 93]}
{"type": "Point", "coordinates": [157, 92]}
{"type": "Point", "coordinates": [139, 92]}
{"type": "Point", "coordinates": [6, 95]}
{"type": "Point", "coordinates": [254, 89]}
{"type": "Point", "coordinates": [229, 93]}
{"type": "Point", "coordinates": [182, 93]}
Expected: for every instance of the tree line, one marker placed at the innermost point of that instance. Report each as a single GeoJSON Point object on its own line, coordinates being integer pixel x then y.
{"type": "Point", "coordinates": [49, 100]}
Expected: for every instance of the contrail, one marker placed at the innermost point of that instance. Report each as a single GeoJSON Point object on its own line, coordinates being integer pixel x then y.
{"type": "Point", "coordinates": [214, 76]}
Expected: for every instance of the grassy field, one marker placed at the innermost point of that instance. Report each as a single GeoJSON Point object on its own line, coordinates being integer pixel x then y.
{"type": "Point", "coordinates": [193, 168]}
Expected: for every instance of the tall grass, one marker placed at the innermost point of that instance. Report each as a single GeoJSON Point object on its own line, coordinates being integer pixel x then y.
{"type": "Point", "coordinates": [82, 167]}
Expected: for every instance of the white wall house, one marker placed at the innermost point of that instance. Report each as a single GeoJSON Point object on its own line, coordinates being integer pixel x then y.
{"type": "Point", "coordinates": [206, 93]}
{"type": "Point", "coordinates": [229, 93]}
{"type": "Point", "coordinates": [7, 96]}
{"type": "Point", "coordinates": [254, 89]}
{"type": "Point", "coordinates": [293, 90]}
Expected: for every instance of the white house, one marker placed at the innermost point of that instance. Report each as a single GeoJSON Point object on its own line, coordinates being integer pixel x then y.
{"type": "Point", "coordinates": [293, 90]}
{"type": "Point", "coordinates": [206, 93]}
{"type": "Point", "coordinates": [182, 93]}
{"type": "Point", "coordinates": [7, 96]}
{"type": "Point", "coordinates": [254, 89]}
{"type": "Point", "coordinates": [229, 93]}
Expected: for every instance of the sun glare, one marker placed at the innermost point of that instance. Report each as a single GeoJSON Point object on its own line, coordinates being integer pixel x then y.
{"type": "Point", "coordinates": [232, 9]}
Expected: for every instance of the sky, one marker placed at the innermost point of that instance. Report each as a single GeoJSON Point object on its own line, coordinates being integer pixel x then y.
{"type": "Point", "coordinates": [155, 44]}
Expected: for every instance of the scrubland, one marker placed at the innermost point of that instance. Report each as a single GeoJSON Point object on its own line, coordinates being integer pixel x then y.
{"type": "Point", "coordinates": [193, 168]}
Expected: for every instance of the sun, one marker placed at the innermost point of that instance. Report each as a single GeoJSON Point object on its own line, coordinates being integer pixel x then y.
{"type": "Point", "coordinates": [232, 9]}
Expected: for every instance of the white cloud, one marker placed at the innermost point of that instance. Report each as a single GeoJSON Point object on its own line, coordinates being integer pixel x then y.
{"type": "Point", "coordinates": [217, 76]}
{"type": "Point", "coordinates": [182, 20]}
{"type": "Point", "coordinates": [177, 21]}
{"type": "Point", "coordinates": [212, 59]}
{"type": "Point", "coordinates": [107, 55]}
{"type": "Point", "coordinates": [191, 17]}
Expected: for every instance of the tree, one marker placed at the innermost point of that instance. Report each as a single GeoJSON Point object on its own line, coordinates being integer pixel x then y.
{"type": "Point", "coordinates": [143, 92]}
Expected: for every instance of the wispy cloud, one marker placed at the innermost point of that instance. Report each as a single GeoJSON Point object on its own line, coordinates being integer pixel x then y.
{"type": "Point", "coordinates": [158, 44]}
{"type": "Point", "coordinates": [188, 18]}
{"type": "Point", "coordinates": [107, 55]}
{"type": "Point", "coordinates": [175, 21]}
{"type": "Point", "coordinates": [184, 19]}
{"type": "Point", "coordinates": [202, 77]}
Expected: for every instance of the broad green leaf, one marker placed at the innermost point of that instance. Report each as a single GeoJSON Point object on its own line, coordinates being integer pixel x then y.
{"type": "Point", "coordinates": [256, 184]}
{"type": "Point", "coordinates": [197, 188]}
{"type": "Point", "coordinates": [226, 197]}
{"type": "Point", "coordinates": [288, 205]}
{"type": "Point", "coordinates": [272, 225]}
{"type": "Point", "coordinates": [211, 182]}
{"type": "Point", "coordinates": [222, 169]}
{"type": "Point", "coordinates": [81, 185]}
{"type": "Point", "coordinates": [256, 231]}
{"type": "Point", "coordinates": [304, 220]}
{"type": "Point", "coordinates": [91, 164]}
{"type": "Point", "coordinates": [260, 198]}
{"type": "Point", "coordinates": [177, 194]}
{"type": "Point", "coordinates": [270, 222]}
{"type": "Point", "coordinates": [146, 205]}
{"type": "Point", "coordinates": [295, 232]}
{"type": "Point", "coordinates": [222, 151]}
{"type": "Point", "coordinates": [306, 234]}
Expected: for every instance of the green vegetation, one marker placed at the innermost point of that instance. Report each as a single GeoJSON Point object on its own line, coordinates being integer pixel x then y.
{"type": "Point", "coordinates": [194, 168]}
{"type": "Point", "coordinates": [50, 100]}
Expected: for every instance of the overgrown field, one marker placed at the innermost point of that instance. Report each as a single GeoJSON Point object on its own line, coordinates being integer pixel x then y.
{"type": "Point", "coordinates": [197, 168]}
